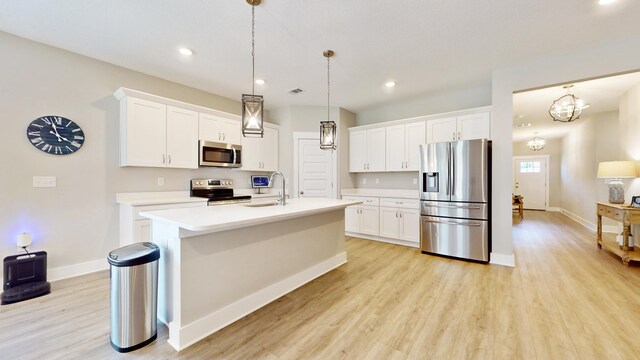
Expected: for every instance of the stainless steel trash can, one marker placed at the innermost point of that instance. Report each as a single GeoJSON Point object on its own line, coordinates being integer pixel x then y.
{"type": "Point", "coordinates": [134, 295]}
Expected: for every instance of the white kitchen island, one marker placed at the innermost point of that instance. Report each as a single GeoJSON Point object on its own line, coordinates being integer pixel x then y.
{"type": "Point", "coordinates": [220, 263]}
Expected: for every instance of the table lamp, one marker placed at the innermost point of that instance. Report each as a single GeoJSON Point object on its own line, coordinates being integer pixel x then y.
{"type": "Point", "coordinates": [616, 171]}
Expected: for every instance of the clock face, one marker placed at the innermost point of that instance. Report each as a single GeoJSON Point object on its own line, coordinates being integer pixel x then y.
{"type": "Point", "coordinates": [55, 135]}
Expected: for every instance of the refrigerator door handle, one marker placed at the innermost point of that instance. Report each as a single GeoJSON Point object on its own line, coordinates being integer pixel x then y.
{"type": "Point", "coordinates": [453, 170]}
{"type": "Point", "coordinates": [448, 170]}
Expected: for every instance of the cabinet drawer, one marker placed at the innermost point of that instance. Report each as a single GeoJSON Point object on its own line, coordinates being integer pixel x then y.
{"type": "Point", "coordinates": [400, 203]}
{"type": "Point", "coordinates": [366, 200]}
{"type": "Point", "coordinates": [138, 209]}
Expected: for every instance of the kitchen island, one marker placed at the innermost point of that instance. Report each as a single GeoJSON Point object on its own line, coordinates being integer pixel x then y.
{"type": "Point", "coordinates": [220, 263]}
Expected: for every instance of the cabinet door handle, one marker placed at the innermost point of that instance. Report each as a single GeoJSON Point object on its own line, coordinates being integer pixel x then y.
{"type": "Point", "coordinates": [401, 214]}
{"type": "Point", "coordinates": [396, 214]}
{"type": "Point", "coordinates": [454, 135]}
{"type": "Point", "coordinates": [458, 135]}
{"type": "Point", "coordinates": [219, 136]}
{"type": "Point", "coordinates": [224, 137]}
{"type": "Point", "coordinates": [164, 159]}
{"type": "Point", "coordinates": [169, 156]}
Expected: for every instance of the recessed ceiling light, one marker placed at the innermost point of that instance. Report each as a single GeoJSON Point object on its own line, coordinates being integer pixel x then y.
{"type": "Point", "coordinates": [185, 51]}
{"type": "Point", "coordinates": [390, 84]}
{"type": "Point", "coordinates": [606, 2]}
{"type": "Point", "coordinates": [259, 81]}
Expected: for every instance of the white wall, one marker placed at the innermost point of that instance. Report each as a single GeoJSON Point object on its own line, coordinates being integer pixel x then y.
{"type": "Point", "coordinates": [622, 56]}
{"type": "Point", "coordinates": [629, 145]}
{"type": "Point", "coordinates": [77, 221]}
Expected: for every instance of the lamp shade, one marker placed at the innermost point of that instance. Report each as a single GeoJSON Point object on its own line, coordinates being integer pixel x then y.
{"type": "Point", "coordinates": [617, 169]}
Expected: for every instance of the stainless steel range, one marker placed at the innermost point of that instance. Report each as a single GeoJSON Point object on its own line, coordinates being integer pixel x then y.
{"type": "Point", "coordinates": [218, 191]}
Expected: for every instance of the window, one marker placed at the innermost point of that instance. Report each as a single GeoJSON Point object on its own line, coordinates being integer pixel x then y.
{"type": "Point", "coordinates": [530, 167]}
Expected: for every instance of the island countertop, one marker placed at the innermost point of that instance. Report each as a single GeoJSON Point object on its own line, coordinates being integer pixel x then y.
{"type": "Point", "coordinates": [228, 217]}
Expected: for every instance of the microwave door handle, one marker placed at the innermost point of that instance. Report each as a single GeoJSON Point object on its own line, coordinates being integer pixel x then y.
{"type": "Point", "coordinates": [234, 156]}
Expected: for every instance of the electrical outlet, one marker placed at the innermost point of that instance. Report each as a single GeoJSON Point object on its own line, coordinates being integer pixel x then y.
{"type": "Point", "coordinates": [377, 181]}
{"type": "Point", "coordinates": [364, 181]}
{"type": "Point", "coordinates": [415, 181]}
{"type": "Point", "coordinates": [160, 181]}
{"type": "Point", "coordinates": [44, 181]}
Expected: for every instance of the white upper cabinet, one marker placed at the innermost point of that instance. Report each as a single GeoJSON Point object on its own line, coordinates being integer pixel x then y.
{"type": "Point", "coordinates": [261, 154]}
{"type": "Point", "coordinates": [402, 146]}
{"type": "Point", "coordinates": [219, 129]}
{"type": "Point", "coordinates": [463, 127]}
{"type": "Point", "coordinates": [367, 150]}
{"type": "Point", "coordinates": [156, 135]}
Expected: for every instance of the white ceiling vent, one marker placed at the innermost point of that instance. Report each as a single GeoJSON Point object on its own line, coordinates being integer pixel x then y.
{"type": "Point", "coordinates": [295, 91]}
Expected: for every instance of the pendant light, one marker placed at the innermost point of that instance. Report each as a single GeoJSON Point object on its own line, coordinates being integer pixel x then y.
{"type": "Point", "coordinates": [537, 143]}
{"type": "Point", "coordinates": [252, 105]}
{"type": "Point", "coordinates": [328, 127]}
{"type": "Point", "coordinates": [568, 107]}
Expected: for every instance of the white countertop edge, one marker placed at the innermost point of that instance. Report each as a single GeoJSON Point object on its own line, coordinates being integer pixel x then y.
{"type": "Point", "coordinates": [392, 193]}
{"type": "Point", "coordinates": [253, 216]}
{"type": "Point", "coordinates": [157, 197]}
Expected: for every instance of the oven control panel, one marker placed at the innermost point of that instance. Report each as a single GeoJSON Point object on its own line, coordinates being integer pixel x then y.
{"type": "Point", "coordinates": [211, 183]}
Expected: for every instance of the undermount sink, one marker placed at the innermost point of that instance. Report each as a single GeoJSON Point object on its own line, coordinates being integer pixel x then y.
{"type": "Point", "coordinates": [262, 204]}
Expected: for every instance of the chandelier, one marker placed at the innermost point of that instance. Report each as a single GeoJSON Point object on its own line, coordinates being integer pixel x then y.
{"type": "Point", "coordinates": [252, 105]}
{"type": "Point", "coordinates": [568, 107]}
{"type": "Point", "coordinates": [328, 127]}
{"type": "Point", "coordinates": [537, 143]}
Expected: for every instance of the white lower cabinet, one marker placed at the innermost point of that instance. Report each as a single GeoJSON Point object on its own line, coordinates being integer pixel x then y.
{"type": "Point", "coordinates": [392, 220]}
{"type": "Point", "coordinates": [135, 228]}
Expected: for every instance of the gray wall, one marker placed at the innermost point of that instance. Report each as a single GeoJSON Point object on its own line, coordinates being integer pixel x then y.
{"type": "Point", "coordinates": [553, 148]}
{"type": "Point", "coordinates": [77, 221]}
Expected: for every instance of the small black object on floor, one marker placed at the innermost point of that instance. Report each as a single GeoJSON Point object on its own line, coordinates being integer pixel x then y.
{"type": "Point", "coordinates": [25, 277]}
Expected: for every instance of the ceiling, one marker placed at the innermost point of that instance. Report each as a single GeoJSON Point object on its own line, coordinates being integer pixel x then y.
{"type": "Point", "coordinates": [532, 107]}
{"type": "Point", "coordinates": [426, 46]}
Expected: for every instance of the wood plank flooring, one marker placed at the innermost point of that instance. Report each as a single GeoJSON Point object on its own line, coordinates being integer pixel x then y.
{"type": "Point", "coordinates": [565, 300]}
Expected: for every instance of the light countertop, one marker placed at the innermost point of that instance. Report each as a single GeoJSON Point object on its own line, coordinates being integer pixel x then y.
{"type": "Point", "coordinates": [157, 197]}
{"type": "Point", "coordinates": [392, 193]}
{"type": "Point", "coordinates": [228, 217]}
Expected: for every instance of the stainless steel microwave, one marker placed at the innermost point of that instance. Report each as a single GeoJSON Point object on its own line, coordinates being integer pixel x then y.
{"type": "Point", "coordinates": [220, 154]}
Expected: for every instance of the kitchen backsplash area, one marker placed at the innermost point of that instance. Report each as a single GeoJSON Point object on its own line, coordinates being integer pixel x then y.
{"type": "Point", "coordinates": [388, 180]}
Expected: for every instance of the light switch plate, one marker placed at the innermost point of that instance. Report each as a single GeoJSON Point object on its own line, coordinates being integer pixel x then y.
{"type": "Point", "coordinates": [364, 181]}
{"type": "Point", "coordinates": [415, 181]}
{"type": "Point", "coordinates": [377, 181]}
{"type": "Point", "coordinates": [44, 181]}
{"type": "Point", "coordinates": [160, 181]}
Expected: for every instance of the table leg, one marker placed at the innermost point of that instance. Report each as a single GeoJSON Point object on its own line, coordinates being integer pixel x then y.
{"type": "Point", "coordinates": [625, 237]}
{"type": "Point", "coordinates": [599, 232]}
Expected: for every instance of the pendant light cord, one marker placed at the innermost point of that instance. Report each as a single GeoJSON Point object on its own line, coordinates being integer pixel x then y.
{"type": "Point", "coordinates": [328, 85]}
{"type": "Point", "coordinates": [253, 50]}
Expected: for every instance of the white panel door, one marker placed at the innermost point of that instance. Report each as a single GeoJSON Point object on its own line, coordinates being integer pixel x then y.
{"type": "Point", "coordinates": [409, 225]}
{"type": "Point", "coordinates": [415, 135]}
{"type": "Point", "coordinates": [474, 126]}
{"type": "Point", "coordinates": [352, 219]}
{"type": "Point", "coordinates": [441, 130]}
{"type": "Point", "coordinates": [315, 167]}
{"type": "Point", "coordinates": [530, 182]}
{"type": "Point", "coordinates": [376, 149]}
{"type": "Point", "coordinates": [395, 152]}
{"type": "Point", "coordinates": [357, 150]}
{"type": "Point", "coordinates": [369, 220]}
{"type": "Point", "coordinates": [269, 149]}
{"type": "Point", "coordinates": [146, 134]}
{"type": "Point", "coordinates": [182, 138]}
{"type": "Point", "coordinates": [389, 222]}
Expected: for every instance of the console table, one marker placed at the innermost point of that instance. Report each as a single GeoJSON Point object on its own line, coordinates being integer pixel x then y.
{"type": "Point", "coordinates": [626, 215]}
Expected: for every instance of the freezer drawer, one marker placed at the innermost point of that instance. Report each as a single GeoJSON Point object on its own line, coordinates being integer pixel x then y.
{"type": "Point", "coordinates": [466, 239]}
{"type": "Point", "coordinates": [455, 209]}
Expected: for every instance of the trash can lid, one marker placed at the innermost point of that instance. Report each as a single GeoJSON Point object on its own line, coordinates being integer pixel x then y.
{"type": "Point", "coordinates": [134, 254]}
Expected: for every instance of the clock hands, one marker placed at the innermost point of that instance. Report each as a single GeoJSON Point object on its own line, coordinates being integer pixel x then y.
{"type": "Point", "coordinates": [55, 132]}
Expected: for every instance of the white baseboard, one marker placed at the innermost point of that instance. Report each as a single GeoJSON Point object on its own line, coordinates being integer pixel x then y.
{"type": "Point", "coordinates": [383, 239]}
{"type": "Point", "coordinates": [64, 272]}
{"type": "Point", "coordinates": [503, 259]}
{"type": "Point", "coordinates": [554, 208]}
{"type": "Point", "coordinates": [584, 222]}
{"type": "Point", "coordinates": [199, 329]}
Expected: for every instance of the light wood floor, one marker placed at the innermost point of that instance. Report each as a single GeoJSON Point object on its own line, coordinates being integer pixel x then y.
{"type": "Point", "coordinates": [566, 300]}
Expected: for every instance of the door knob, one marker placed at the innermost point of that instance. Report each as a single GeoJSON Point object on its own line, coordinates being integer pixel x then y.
{"type": "Point", "coordinates": [301, 192]}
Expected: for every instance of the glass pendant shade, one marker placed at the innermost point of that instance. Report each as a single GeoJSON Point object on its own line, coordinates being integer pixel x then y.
{"type": "Point", "coordinates": [567, 108]}
{"type": "Point", "coordinates": [327, 135]}
{"type": "Point", "coordinates": [252, 125]}
{"type": "Point", "coordinates": [536, 144]}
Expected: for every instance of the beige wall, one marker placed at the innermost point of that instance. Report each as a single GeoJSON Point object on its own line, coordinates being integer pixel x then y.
{"type": "Point", "coordinates": [77, 221]}
{"type": "Point", "coordinates": [553, 148]}
{"type": "Point", "coordinates": [629, 143]}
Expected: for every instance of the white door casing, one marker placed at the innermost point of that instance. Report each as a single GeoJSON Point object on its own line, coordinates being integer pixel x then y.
{"type": "Point", "coordinates": [314, 170]}
{"type": "Point", "coordinates": [530, 179]}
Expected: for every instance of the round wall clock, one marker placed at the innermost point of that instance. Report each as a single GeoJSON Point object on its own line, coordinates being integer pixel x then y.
{"type": "Point", "coordinates": [55, 135]}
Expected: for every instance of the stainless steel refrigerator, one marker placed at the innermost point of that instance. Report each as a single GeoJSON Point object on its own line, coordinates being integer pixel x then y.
{"type": "Point", "coordinates": [455, 194]}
